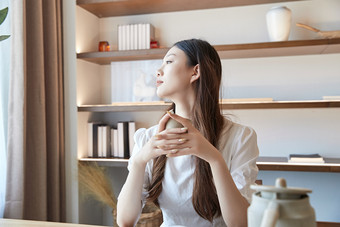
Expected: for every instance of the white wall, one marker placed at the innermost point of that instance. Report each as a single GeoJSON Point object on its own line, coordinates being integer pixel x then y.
{"type": "Point", "coordinates": [244, 24]}
{"type": "Point", "coordinates": [280, 131]}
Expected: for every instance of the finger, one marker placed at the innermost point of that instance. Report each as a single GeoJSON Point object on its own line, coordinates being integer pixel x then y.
{"type": "Point", "coordinates": [162, 122]}
{"type": "Point", "coordinates": [172, 147]}
{"type": "Point", "coordinates": [169, 138]}
{"type": "Point", "coordinates": [172, 153]}
{"type": "Point", "coordinates": [178, 152]}
{"type": "Point", "coordinates": [169, 143]}
{"type": "Point", "coordinates": [176, 130]}
{"type": "Point", "coordinates": [160, 151]}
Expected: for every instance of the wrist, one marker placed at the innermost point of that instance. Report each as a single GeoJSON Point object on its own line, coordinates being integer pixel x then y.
{"type": "Point", "coordinates": [139, 162]}
{"type": "Point", "coordinates": [217, 160]}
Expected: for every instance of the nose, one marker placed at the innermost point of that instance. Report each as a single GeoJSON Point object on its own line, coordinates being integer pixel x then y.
{"type": "Point", "coordinates": [158, 73]}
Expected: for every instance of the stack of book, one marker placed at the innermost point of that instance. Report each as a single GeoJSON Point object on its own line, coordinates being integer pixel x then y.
{"type": "Point", "coordinates": [105, 141]}
{"type": "Point", "coordinates": [135, 36]}
{"type": "Point", "coordinates": [306, 158]}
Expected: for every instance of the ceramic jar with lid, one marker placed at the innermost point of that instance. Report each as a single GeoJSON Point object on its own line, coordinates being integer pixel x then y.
{"type": "Point", "coordinates": [280, 206]}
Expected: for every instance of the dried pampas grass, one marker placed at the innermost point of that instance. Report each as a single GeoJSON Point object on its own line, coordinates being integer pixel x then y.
{"type": "Point", "coordinates": [96, 183]}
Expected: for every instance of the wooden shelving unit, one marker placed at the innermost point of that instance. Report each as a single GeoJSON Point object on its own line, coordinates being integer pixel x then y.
{"type": "Point", "coordinates": [264, 163]}
{"type": "Point", "coordinates": [232, 105]}
{"type": "Point", "coordinates": [112, 8]}
{"type": "Point", "coordinates": [232, 51]}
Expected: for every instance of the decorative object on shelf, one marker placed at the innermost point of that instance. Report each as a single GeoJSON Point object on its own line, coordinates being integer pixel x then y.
{"type": "Point", "coordinates": [3, 15]}
{"type": "Point", "coordinates": [134, 81]}
{"type": "Point", "coordinates": [323, 34]}
{"type": "Point", "coordinates": [331, 97]}
{"type": "Point", "coordinates": [103, 46]}
{"type": "Point", "coordinates": [96, 183]}
{"type": "Point", "coordinates": [154, 44]}
{"type": "Point", "coordinates": [305, 158]}
{"type": "Point", "coordinates": [279, 20]}
{"type": "Point", "coordinates": [280, 206]}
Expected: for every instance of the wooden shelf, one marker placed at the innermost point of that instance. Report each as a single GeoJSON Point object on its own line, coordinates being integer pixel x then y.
{"type": "Point", "coordinates": [105, 58]}
{"type": "Point", "coordinates": [283, 104]}
{"type": "Point", "coordinates": [281, 164]}
{"type": "Point", "coordinates": [264, 163]}
{"type": "Point", "coordinates": [129, 107]}
{"type": "Point", "coordinates": [108, 162]}
{"type": "Point", "coordinates": [232, 105]}
{"type": "Point", "coordinates": [232, 51]}
{"type": "Point", "coordinates": [111, 8]}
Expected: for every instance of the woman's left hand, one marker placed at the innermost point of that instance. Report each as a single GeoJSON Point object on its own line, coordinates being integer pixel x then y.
{"type": "Point", "coordinates": [196, 144]}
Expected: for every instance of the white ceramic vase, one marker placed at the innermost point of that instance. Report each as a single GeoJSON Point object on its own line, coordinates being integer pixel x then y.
{"type": "Point", "coordinates": [279, 20]}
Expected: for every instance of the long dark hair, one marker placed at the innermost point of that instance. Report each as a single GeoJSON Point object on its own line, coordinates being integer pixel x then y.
{"type": "Point", "coordinates": [207, 118]}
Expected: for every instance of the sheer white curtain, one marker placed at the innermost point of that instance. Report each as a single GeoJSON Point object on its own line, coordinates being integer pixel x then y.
{"type": "Point", "coordinates": [5, 51]}
{"type": "Point", "coordinates": [14, 182]}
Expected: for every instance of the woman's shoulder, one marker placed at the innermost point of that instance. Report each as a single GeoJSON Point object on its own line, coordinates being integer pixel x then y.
{"type": "Point", "coordinates": [143, 135]}
{"type": "Point", "coordinates": [234, 133]}
{"type": "Point", "coordinates": [234, 128]}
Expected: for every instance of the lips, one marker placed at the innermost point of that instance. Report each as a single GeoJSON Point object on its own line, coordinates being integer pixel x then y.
{"type": "Point", "coordinates": [158, 83]}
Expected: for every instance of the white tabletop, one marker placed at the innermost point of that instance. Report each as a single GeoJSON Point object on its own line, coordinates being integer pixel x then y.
{"type": "Point", "coordinates": [26, 223]}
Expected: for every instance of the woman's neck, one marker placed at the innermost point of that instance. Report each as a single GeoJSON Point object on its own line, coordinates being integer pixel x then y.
{"type": "Point", "coordinates": [184, 104]}
{"type": "Point", "coordinates": [184, 109]}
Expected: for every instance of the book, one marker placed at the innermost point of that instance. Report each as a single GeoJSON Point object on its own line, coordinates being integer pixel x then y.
{"type": "Point", "coordinates": [100, 141]}
{"type": "Point", "coordinates": [114, 142]}
{"type": "Point", "coordinates": [92, 139]}
{"type": "Point", "coordinates": [305, 158]}
{"type": "Point", "coordinates": [123, 139]}
{"type": "Point", "coordinates": [120, 37]}
{"type": "Point", "coordinates": [132, 130]}
{"type": "Point", "coordinates": [150, 35]}
{"type": "Point", "coordinates": [247, 100]}
{"type": "Point", "coordinates": [106, 141]}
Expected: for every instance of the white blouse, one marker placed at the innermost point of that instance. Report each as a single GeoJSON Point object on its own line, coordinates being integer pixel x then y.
{"type": "Point", "coordinates": [238, 145]}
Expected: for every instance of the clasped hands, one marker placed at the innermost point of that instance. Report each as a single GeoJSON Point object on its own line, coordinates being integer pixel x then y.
{"type": "Point", "coordinates": [175, 142]}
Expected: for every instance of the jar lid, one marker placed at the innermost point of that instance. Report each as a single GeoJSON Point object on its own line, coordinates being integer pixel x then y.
{"type": "Point", "coordinates": [281, 189]}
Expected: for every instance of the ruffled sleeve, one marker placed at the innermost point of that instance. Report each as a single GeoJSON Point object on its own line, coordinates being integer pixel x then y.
{"type": "Point", "coordinates": [141, 137]}
{"type": "Point", "coordinates": [244, 152]}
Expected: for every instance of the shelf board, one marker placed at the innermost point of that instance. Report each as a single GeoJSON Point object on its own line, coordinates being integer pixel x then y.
{"type": "Point", "coordinates": [128, 107]}
{"type": "Point", "coordinates": [230, 51]}
{"type": "Point", "coordinates": [263, 163]}
{"type": "Point", "coordinates": [281, 164]}
{"type": "Point", "coordinates": [108, 162]}
{"type": "Point", "coordinates": [105, 58]}
{"type": "Point", "coordinates": [231, 105]}
{"type": "Point", "coordinates": [111, 8]}
{"type": "Point", "coordinates": [282, 104]}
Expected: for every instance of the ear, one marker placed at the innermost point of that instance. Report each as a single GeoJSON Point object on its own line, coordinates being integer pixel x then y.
{"type": "Point", "coordinates": [196, 73]}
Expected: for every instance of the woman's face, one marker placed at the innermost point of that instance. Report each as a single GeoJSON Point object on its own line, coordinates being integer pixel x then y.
{"type": "Point", "coordinates": [174, 76]}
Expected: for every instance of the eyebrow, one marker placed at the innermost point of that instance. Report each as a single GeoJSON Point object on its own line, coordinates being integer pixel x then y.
{"type": "Point", "coordinates": [170, 55]}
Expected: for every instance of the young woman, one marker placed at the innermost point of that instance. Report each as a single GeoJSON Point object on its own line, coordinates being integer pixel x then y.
{"type": "Point", "coordinates": [199, 174]}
